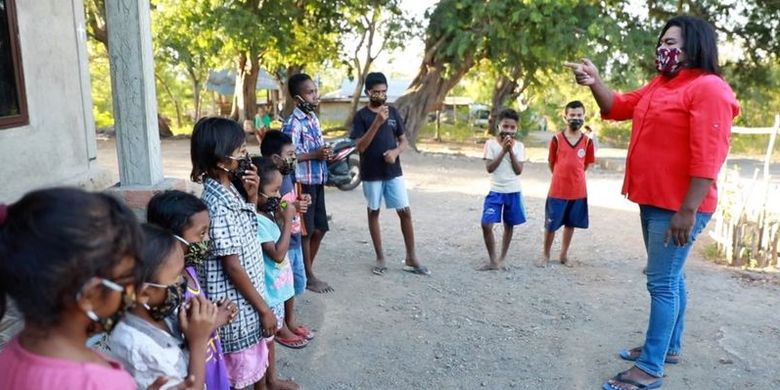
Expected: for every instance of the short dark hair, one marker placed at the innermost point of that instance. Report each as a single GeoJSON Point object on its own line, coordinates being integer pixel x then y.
{"type": "Point", "coordinates": [213, 140]}
{"type": "Point", "coordinates": [574, 104]}
{"type": "Point", "coordinates": [375, 78]}
{"type": "Point", "coordinates": [508, 113]}
{"type": "Point", "coordinates": [158, 245]}
{"type": "Point", "coordinates": [265, 169]}
{"type": "Point", "coordinates": [700, 42]}
{"type": "Point", "coordinates": [295, 82]}
{"type": "Point", "coordinates": [273, 143]}
{"type": "Point", "coordinates": [172, 210]}
{"type": "Point", "coordinates": [54, 240]}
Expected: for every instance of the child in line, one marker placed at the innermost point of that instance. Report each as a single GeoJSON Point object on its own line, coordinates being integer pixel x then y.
{"type": "Point", "coordinates": [273, 212]}
{"type": "Point", "coordinates": [234, 267]}
{"type": "Point", "coordinates": [504, 161]}
{"type": "Point", "coordinates": [571, 152]}
{"type": "Point", "coordinates": [280, 149]}
{"type": "Point", "coordinates": [67, 258]}
{"type": "Point", "coordinates": [187, 217]}
{"type": "Point", "coordinates": [144, 340]}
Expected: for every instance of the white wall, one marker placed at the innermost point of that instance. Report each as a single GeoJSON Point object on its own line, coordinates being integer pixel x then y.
{"type": "Point", "coordinates": [58, 146]}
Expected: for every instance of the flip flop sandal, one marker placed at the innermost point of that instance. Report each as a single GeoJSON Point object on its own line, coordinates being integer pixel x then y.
{"type": "Point", "coordinates": [379, 270]}
{"type": "Point", "coordinates": [304, 332]}
{"type": "Point", "coordinates": [626, 355]}
{"type": "Point", "coordinates": [421, 270]}
{"type": "Point", "coordinates": [619, 378]}
{"type": "Point", "coordinates": [292, 342]}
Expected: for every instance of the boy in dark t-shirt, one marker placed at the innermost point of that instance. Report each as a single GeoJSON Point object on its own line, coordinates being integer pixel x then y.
{"type": "Point", "coordinates": [379, 133]}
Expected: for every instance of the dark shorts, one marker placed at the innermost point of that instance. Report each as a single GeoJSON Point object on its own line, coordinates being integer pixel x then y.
{"type": "Point", "coordinates": [316, 218]}
{"type": "Point", "coordinates": [565, 212]}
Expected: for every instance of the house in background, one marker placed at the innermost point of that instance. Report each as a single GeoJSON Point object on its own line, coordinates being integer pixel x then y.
{"type": "Point", "coordinates": [335, 106]}
{"type": "Point", "coordinates": [223, 84]}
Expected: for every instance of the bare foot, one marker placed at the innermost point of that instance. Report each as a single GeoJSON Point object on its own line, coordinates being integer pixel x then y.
{"type": "Point", "coordinates": [543, 262]}
{"type": "Point", "coordinates": [565, 261]}
{"type": "Point", "coordinates": [279, 384]}
{"type": "Point", "coordinates": [489, 266]}
{"type": "Point", "coordinates": [318, 286]}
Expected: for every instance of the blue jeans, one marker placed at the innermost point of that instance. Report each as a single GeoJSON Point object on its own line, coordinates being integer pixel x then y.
{"type": "Point", "coordinates": [666, 284]}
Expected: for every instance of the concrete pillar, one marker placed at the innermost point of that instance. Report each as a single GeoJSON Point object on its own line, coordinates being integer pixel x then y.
{"type": "Point", "coordinates": [134, 95]}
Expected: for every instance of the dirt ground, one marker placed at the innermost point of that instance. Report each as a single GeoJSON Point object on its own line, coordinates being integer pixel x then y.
{"type": "Point", "coordinates": [527, 328]}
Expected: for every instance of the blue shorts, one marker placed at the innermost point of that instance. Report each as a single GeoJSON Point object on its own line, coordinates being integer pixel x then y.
{"type": "Point", "coordinates": [507, 207]}
{"type": "Point", "coordinates": [295, 254]}
{"type": "Point", "coordinates": [393, 191]}
{"type": "Point", "coordinates": [565, 212]}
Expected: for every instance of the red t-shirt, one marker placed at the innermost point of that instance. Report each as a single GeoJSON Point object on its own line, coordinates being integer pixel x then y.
{"type": "Point", "coordinates": [569, 163]}
{"type": "Point", "coordinates": [681, 129]}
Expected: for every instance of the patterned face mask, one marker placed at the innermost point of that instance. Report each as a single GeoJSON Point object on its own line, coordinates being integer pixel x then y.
{"type": "Point", "coordinates": [127, 302]}
{"type": "Point", "coordinates": [306, 106]}
{"type": "Point", "coordinates": [377, 100]}
{"type": "Point", "coordinates": [244, 164]}
{"type": "Point", "coordinates": [667, 61]}
{"type": "Point", "coordinates": [173, 299]}
{"type": "Point", "coordinates": [289, 165]}
{"type": "Point", "coordinates": [196, 251]}
{"type": "Point", "coordinates": [575, 124]}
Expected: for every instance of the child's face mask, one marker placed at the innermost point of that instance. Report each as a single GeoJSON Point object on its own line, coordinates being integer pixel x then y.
{"type": "Point", "coordinates": [196, 252]}
{"type": "Point", "coordinates": [173, 299]}
{"type": "Point", "coordinates": [127, 301]}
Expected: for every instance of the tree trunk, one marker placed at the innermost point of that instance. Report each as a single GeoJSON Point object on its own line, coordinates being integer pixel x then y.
{"type": "Point", "coordinates": [357, 92]}
{"type": "Point", "coordinates": [289, 102]}
{"type": "Point", "coordinates": [245, 102]}
{"type": "Point", "coordinates": [501, 91]}
{"type": "Point", "coordinates": [196, 99]}
{"type": "Point", "coordinates": [429, 88]}
{"type": "Point", "coordinates": [196, 93]}
{"type": "Point", "coordinates": [174, 100]}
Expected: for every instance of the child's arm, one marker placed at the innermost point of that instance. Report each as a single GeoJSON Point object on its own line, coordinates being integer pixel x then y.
{"type": "Point", "coordinates": [517, 163]}
{"type": "Point", "coordinates": [278, 250]}
{"type": "Point", "coordinates": [553, 154]}
{"type": "Point", "coordinates": [197, 323]}
{"type": "Point", "coordinates": [492, 163]}
{"type": "Point", "coordinates": [590, 154]}
{"type": "Point", "coordinates": [244, 285]}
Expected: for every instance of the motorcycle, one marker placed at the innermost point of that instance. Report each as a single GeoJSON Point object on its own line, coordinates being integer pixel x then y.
{"type": "Point", "coordinates": [344, 165]}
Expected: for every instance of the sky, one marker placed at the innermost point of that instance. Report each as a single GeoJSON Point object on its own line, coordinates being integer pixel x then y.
{"type": "Point", "coordinates": [405, 62]}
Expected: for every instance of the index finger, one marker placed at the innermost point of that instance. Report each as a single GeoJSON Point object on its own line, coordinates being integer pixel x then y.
{"type": "Point", "coordinates": [572, 65]}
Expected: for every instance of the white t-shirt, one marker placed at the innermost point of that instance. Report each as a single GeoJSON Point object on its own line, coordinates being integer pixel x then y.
{"type": "Point", "coordinates": [503, 179]}
{"type": "Point", "coordinates": [148, 352]}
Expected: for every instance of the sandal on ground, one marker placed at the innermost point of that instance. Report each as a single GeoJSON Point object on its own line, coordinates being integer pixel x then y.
{"type": "Point", "coordinates": [304, 332]}
{"type": "Point", "coordinates": [621, 380]}
{"type": "Point", "coordinates": [419, 270]}
{"type": "Point", "coordinates": [626, 355]}
{"type": "Point", "coordinates": [377, 270]}
{"type": "Point", "coordinates": [297, 342]}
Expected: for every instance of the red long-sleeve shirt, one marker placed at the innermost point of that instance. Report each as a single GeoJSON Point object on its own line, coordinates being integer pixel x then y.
{"type": "Point", "coordinates": [681, 129]}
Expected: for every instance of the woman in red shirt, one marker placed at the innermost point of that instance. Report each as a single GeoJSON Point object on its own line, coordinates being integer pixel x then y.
{"type": "Point", "coordinates": [679, 140]}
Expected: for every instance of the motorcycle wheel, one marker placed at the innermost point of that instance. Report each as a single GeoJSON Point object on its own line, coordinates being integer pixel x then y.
{"type": "Point", "coordinates": [354, 174]}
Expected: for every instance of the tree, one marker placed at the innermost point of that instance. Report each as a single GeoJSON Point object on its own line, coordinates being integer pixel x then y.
{"type": "Point", "coordinates": [377, 26]}
{"type": "Point", "coordinates": [534, 34]}
{"type": "Point", "coordinates": [96, 21]}
{"type": "Point", "coordinates": [185, 39]}
{"type": "Point", "coordinates": [279, 35]}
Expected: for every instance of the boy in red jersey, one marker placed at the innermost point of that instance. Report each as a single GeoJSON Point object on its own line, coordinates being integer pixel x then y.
{"type": "Point", "coordinates": [571, 152]}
